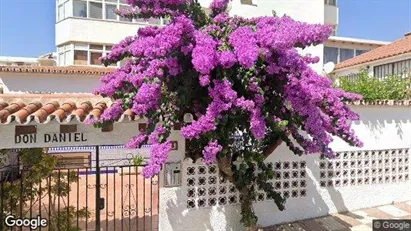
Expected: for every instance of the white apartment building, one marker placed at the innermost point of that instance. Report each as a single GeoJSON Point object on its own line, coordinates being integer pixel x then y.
{"type": "Point", "coordinates": [87, 29]}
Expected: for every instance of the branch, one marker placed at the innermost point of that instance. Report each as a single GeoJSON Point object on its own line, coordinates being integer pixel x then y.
{"type": "Point", "coordinates": [267, 152]}
{"type": "Point", "coordinates": [224, 164]}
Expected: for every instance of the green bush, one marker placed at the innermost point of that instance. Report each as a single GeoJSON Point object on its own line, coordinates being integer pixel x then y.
{"type": "Point", "coordinates": [391, 87]}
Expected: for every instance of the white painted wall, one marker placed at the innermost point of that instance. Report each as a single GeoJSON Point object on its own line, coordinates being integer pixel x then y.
{"type": "Point", "coordinates": [23, 82]}
{"type": "Point", "coordinates": [311, 11]}
{"type": "Point", "coordinates": [331, 15]}
{"type": "Point", "coordinates": [380, 128]}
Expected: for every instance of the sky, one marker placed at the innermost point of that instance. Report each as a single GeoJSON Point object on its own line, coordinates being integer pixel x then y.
{"type": "Point", "coordinates": [27, 26]}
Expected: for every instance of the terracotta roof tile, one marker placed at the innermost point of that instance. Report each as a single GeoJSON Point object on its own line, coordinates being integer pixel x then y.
{"type": "Point", "coordinates": [62, 108]}
{"type": "Point", "coordinates": [399, 47]}
{"type": "Point", "coordinates": [83, 70]}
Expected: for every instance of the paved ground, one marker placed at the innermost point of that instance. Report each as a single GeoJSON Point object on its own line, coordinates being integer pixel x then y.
{"type": "Point", "coordinates": [360, 220]}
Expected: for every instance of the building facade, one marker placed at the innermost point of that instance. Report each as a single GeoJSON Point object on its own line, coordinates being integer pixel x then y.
{"type": "Point", "coordinates": [87, 29]}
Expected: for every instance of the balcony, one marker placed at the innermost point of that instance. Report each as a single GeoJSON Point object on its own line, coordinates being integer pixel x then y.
{"type": "Point", "coordinates": [93, 30]}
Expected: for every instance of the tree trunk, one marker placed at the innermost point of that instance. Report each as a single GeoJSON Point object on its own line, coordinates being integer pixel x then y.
{"type": "Point", "coordinates": [247, 211]}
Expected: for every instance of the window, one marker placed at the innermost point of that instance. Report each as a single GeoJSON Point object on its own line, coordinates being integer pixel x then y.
{"type": "Point", "coordinates": [62, 59]}
{"type": "Point", "coordinates": [122, 18]}
{"type": "Point", "coordinates": [80, 8]}
{"type": "Point", "coordinates": [96, 51]}
{"type": "Point", "coordinates": [60, 13]}
{"type": "Point", "coordinates": [402, 67]}
{"type": "Point", "coordinates": [360, 52]}
{"type": "Point", "coordinates": [398, 68]}
{"type": "Point", "coordinates": [89, 54]}
{"type": "Point", "coordinates": [73, 160]}
{"type": "Point", "coordinates": [80, 57]}
{"type": "Point", "coordinates": [330, 2]}
{"type": "Point", "coordinates": [63, 10]}
{"type": "Point", "coordinates": [95, 58]}
{"type": "Point", "coordinates": [110, 11]}
{"type": "Point", "coordinates": [82, 54]}
{"type": "Point", "coordinates": [64, 56]}
{"type": "Point", "coordinates": [99, 9]}
{"type": "Point", "coordinates": [337, 55]}
{"type": "Point", "coordinates": [330, 54]}
{"type": "Point", "coordinates": [96, 10]}
{"type": "Point", "coordinates": [346, 54]}
{"type": "Point", "coordinates": [67, 9]}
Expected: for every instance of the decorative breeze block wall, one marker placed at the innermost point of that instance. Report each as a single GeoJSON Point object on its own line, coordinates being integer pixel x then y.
{"type": "Point", "coordinates": [206, 188]}
{"type": "Point", "coordinates": [365, 168]}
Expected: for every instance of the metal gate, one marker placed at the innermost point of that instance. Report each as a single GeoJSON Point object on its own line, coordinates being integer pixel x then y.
{"type": "Point", "coordinates": [95, 198]}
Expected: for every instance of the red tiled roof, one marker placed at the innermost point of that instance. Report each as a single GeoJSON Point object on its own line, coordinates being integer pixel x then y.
{"type": "Point", "coordinates": [63, 108]}
{"type": "Point", "coordinates": [83, 70]}
{"type": "Point", "coordinates": [399, 47]}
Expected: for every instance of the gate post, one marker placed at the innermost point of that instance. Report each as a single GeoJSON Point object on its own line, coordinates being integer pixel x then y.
{"type": "Point", "coordinates": [98, 207]}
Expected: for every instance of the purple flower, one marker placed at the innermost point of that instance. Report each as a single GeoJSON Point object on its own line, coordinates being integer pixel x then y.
{"type": "Point", "coordinates": [204, 80]}
{"type": "Point", "coordinates": [249, 66]}
{"type": "Point", "coordinates": [154, 136]}
{"type": "Point", "coordinates": [227, 59]}
{"type": "Point", "coordinates": [158, 157]}
{"type": "Point", "coordinates": [114, 112]}
{"type": "Point", "coordinates": [136, 141]}
{"type": "Point", "coordinates": [146, 98]}
{"type": "Point", "coordinates": [173, 66]}
{"type": "Point", "coordinates": [218, 6]}
{"type": "Point", "coordinates": [204, 53]}
{"type": "Point", "coordinates": [210, 152]}
{"type": "Point", "coordinates": [245, 46]}
{"type": "Point", "coordinates": [258, 125]}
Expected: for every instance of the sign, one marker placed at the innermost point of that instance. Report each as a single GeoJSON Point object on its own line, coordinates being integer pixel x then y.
{"type": "Point", "coordinates": [75, 137]}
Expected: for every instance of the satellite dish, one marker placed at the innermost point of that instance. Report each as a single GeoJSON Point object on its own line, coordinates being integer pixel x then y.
{"type": "Point", "coordinates": [328, 67]}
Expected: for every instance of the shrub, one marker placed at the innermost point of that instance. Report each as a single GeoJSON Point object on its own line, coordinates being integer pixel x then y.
{"type": "Point", "coordinates": [391, 87]}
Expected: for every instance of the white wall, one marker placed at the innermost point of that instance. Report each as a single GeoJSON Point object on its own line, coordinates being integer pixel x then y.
{"type": "Point", "coordinates": [331, 15]}
{"type": "Point", "coordinates": [382, 128]}
{"type": "Point", "coordinates": [310, 11]}
{"type": "Point", "coordinates": [22, 82]}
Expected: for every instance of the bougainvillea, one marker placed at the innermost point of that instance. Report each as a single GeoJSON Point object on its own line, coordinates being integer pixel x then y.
{"type": "Point", "coordinates": [242, 79]}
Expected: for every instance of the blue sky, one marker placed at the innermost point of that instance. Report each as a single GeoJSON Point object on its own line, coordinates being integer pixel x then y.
{"type": "Point", "coordinates": [27, 26]}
